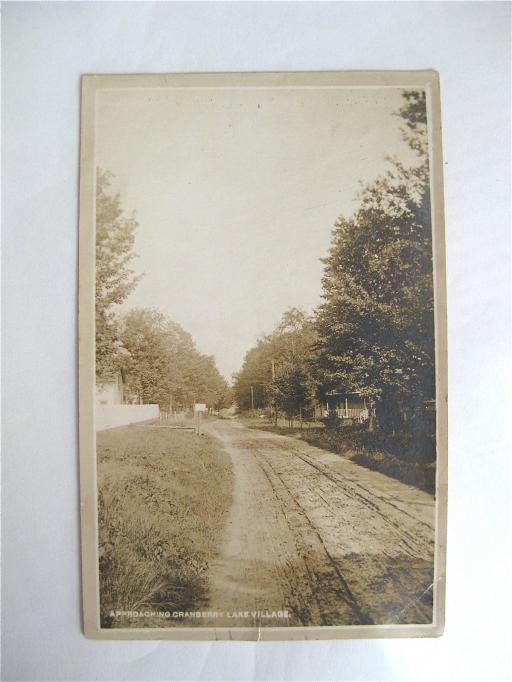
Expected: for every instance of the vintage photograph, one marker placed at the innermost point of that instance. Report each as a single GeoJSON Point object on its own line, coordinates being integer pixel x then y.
{"type": "Point", "coordinates": [262, 356]}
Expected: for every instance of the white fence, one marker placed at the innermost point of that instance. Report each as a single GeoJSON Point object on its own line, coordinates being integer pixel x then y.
{"type": "Point", "coordinates": [109, 416]}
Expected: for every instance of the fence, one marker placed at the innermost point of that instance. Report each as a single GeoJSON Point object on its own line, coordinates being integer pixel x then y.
{"type": "Point", "coordinates": [110, 416]}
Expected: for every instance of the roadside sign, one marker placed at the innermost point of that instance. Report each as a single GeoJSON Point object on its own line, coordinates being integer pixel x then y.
{"type": "Point", "coordinates": [198, 409]}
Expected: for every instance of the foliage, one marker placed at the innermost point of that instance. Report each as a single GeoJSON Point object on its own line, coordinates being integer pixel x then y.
{"type": "Point", "coordinates": [278, 367]}
{"type": "Point", "coordinates": [163, 365]}
{"type": "Point", "coordinates": [409, 458]}
{"type": "Point", "coordinates": [414, 113]}
{"type": "Point", "coordinates": [115, 235]}
{"type": "Point", "coordinates": [157, 529]}
{"type": "Point", "coordinates": [256, 373]}
{"type": "Point", "coordinates": [289, 390]}
{"type": "Point", "coordinates": [161, 362]}
{"type": "Point", "coordinates": [375, 325]}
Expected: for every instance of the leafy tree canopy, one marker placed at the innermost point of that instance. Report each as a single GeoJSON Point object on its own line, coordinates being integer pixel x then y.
{"type": "Point", "coordinates": [164, 366]}
{"type": "Point", "coordinates": [376, 323]}
{"type": "Point", "coordinates": [278, 366]}
{"type": "Point", "coordinates": [115, 280]}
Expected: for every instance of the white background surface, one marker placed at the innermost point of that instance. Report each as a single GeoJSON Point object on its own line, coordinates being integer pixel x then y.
{"type": "Point", "coordinates": [46, 47]}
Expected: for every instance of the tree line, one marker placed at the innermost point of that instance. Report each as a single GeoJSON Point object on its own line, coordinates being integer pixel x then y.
{"type": "Point", "coordinates": [157, 356]}
{"type": "Point", "coordinates": [277, 371]}
{"type": "Point", "coordinates": [374, 330]}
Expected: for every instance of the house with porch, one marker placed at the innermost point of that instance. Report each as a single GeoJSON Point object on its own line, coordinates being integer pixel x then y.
{"type": "Point", "coordinates": [346, 405]}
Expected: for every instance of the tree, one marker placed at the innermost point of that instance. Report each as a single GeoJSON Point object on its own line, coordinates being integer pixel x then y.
{"type": "Point", "coordinates": [278, 367]}
{"type": "Point", "coordinates": [115, 235]}
{"type": "Point", "coordinates": [375, 325]}
{"type": "Point", "coordinates": [163, 365]}
{"type": "Point", "coordinates": [223, 396]}
{"type": "Point", "coordinates": [161, 361]}
{"type": "Point", "coordinates": [149, 341]}
{"type": "Point", "coordinates": [289, 390]}
{"type": "Point", "coordinates": [414, 113]}
{"type": "Point", "coordinates": [255, 374]}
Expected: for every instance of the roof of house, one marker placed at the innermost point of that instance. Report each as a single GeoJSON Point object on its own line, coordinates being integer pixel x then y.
{"type": "Point", "coordinates": [334, 392]}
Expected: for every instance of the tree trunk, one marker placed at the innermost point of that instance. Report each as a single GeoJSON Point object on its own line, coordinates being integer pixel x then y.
{"type": "Point", "coordinates": [371, 418]}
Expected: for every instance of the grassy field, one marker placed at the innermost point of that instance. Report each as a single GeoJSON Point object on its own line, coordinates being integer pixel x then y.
{"type": "Point", "coordinates": [408, 458]}
{"type": "Point", "coordinates": [163, 497]}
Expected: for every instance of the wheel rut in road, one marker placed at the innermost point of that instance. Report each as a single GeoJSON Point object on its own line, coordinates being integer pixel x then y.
{"type": "Point", "coordinates": [320, 537]}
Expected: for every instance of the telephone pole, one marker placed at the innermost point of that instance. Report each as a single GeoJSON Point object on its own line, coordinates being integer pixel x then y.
{"type": "Point", "coordinates": [273, 379]}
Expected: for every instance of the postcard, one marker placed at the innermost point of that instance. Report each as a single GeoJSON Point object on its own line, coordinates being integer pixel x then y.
{"type": "Point", "coordinates": [263, 359]}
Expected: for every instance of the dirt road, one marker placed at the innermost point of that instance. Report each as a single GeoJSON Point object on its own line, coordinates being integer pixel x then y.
{"type": "Point", "coordinates": [321, 537]}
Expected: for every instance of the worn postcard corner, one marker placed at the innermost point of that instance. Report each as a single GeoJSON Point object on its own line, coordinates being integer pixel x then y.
{"type": "Point", "coordinates": [263, 363]}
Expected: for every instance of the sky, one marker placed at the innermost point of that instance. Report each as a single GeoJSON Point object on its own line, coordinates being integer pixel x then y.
{"type": "Point", "coordinates": [236, 191]}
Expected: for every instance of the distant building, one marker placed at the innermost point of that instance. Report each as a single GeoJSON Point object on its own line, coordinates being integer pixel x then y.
{"type": "Point", "coordinates": [346, 405]}
{"type": "Point", "coordinates": [111, 390]}
{"type": "Point", "coordinates": [116, 405]}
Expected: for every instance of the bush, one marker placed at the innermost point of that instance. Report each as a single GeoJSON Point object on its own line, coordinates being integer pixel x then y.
{"type": "Point", "coordinates": [410, 458]}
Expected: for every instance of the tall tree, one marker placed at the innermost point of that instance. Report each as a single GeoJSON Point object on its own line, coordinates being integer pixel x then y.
{"type": "Point", "coordinates": [163, 365]}
{"type": "Point", "coordinates": [115, 235]}
{"type": "Point", "coordinates": [375, 325]}
{"type": "Point", "coordinates": [289, 390]}
{"type": "Point", "coordinates": [250, 384]}
{"type": "Point", "coordinates": [149, 343]}
{"type": "Point", "coordinates": [277, 368]}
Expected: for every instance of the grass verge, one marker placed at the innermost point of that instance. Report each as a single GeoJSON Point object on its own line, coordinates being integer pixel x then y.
{"type": "Point", "coordinates": [409, 458]}
{"type": "Point", "coordinates": [162, 500]}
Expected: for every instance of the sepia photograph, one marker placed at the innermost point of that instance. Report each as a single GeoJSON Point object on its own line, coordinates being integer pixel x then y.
{"type": "Point", "coordinates": [263, 380]}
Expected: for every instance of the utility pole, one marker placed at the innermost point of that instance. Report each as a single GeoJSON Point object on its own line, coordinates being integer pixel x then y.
{"type": "Point", "coordinates": [273, 379]}
{"type": "Point", "coordinates": [252, 399]}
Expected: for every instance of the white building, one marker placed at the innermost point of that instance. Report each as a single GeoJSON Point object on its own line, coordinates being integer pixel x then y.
{"type": "Point", "coordinates": [112, 390]}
